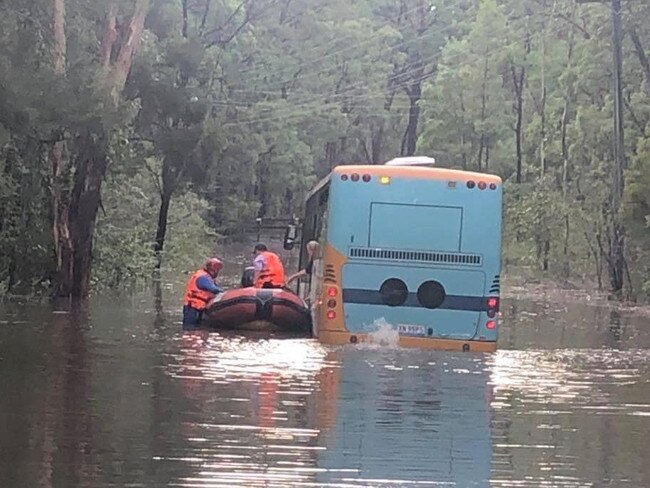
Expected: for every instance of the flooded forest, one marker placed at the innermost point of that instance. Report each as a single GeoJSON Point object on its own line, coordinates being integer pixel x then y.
{"type": "Point", "coordinates": [140, 137]}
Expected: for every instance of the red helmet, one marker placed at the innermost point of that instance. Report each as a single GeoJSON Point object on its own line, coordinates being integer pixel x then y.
{"type": "Point", "coordinates": [213, 266]}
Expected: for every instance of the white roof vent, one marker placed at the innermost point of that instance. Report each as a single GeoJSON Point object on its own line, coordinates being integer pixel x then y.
{"type": "Point", "coordinates": [411, 161]}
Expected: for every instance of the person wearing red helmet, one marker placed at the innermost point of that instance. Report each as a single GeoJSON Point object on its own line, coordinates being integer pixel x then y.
{"type": "Point", "coordinates": [200, 289]}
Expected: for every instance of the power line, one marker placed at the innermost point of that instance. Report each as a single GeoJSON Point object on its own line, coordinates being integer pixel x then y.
{"type": "Point", "coordinates": [302, 107]}
{"type": "Point", "coordinates": [368, 40]}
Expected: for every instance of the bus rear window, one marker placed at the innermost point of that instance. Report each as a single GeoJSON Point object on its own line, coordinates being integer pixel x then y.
{"type": "Point", "coordinates": [403, 226]}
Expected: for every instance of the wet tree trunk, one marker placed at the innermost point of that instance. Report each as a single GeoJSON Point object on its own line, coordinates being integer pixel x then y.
{"type": "Point", "coordinates": [60, 168]}
{"type": "Point", "coordinates": [85, 201]}
{"type": "Point", "coordinates": [75, 214]}
{"type": "Point", "coordinates": [564, 122]}
{"type": "Point", "coordinates": [167, 188]}
{"type": "Point", "coordinates": [616, 260]}
{"type": "Point", "coordinates": [161, 231]}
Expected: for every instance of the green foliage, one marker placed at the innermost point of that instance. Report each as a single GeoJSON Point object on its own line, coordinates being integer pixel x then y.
{"type": "Point", "coordinates": [636, 210]}
{"type": "Point", "coordinates": [125, 231]}
{"type": "Point", "coordinates": [233, 111]}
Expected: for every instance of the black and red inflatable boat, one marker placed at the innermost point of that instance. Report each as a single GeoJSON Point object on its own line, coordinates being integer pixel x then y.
{"type": "Point", "coordinates": [268, 309]}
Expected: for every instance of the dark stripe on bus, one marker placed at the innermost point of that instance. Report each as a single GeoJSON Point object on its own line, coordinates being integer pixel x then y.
{"type": "Point", "coordinates": [451, 302]}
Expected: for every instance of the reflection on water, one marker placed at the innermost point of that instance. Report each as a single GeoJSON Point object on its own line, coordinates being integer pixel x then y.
{"type": "Point", "coordinates": [117, 395]}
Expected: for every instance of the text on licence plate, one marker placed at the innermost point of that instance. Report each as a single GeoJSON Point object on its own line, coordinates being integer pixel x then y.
{"type": "Point", "coordinates": [408, 329]}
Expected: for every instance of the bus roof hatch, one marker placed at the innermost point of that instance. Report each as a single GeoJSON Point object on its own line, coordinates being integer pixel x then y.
{"type": "Point", "coordinates": [412, 161]}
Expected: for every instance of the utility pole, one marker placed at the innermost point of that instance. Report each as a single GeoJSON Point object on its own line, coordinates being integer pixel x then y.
{"type": "Point", "coordinates": [616, 259]}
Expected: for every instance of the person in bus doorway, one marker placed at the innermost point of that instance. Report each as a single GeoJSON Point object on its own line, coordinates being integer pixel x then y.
{"type": "Point", "coordinates": [312, 248]}
{"type": "Point", "coordinates": [200, 289]}
{"type": "Point", "coordinates": [268, 268]}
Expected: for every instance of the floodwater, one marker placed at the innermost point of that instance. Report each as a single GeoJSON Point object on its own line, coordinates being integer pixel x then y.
{"type": "Point", "coordinates": [118, 395]}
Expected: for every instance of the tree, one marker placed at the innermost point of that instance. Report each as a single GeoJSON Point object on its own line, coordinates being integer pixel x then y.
{"type": "Point", "coordinates": [77, 176]}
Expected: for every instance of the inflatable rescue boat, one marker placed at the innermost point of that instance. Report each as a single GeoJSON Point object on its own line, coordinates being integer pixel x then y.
{"type": "Point", "coordinates": [268, 309]}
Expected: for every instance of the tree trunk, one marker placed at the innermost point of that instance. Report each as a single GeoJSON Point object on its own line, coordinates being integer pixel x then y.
{"type": "Point", "coordinates": [480, 153]}
{"type": "Point", "coordinates": [59, 164]}
{"type": "Point", "coordinates": [542, 144]}
{"type": "Point", "coordinates": [330, 155]}
{"type": "Point", "coordinates": [184, 31]}
{"type": "Point", "coordinates": [486, 69]}
{"type": "Point", "coordinates": [161, 231]}
{"type": "Point", "coordinates": [518, 82]}
{"type": "Point", "coordinates": [643, 58]}
{"type": "Point", "coordinates": [564, 122]}
{"type": "Point", "coordinates": [566, 266]}
{"type": "Point", "coordinates": [75, 215]}
{"type": "Point", "coordinates": [63, 242]}
{"type": "Point", "coordinates": [122, 66]}
{"type": "Point", "coordinates": [546, 251]}
{"type": "Point", "coordinates": [91, 167]}
{"type": "Point", "coordinates": [463, 156]}
{"type": "Point", "coordinates": [616, 262]}
{"type": "Point", "coordinates": [60, 46]}
{"type": "Point", "coordinates": [617, 249]}
{"type": "Point", "coordinates": [169, 184]}
{"type": "Point", "coordinates": [376, 143]}
{"type": "Point", "coordinates": [410, 139]}
{"type": "Point", "coordinates": [462, 134]}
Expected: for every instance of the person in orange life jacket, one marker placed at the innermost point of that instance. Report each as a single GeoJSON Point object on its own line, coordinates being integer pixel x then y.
{"type": "Point", "coordinates": [200, 289]}
{"type": "Point", "coordinates": [268, 268]}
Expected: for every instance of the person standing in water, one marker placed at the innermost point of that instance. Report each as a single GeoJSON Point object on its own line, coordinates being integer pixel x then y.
{"type": "Point", "coordinates": [200, 289]}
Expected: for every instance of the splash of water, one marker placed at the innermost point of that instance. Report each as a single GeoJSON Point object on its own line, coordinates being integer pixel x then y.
{"type": "Point", "coordinates": [385, 334]}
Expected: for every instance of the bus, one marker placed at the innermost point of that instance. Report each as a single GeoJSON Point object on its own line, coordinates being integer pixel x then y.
{"type": "Point", "coordinates": [408, 246]}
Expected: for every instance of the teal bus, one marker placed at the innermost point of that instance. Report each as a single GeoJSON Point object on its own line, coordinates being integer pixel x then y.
{"type": "Point", "coordinates": [409, 246]}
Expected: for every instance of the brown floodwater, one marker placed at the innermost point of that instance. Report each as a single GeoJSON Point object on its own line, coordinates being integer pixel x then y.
{"type": "Point", "coordinates": [119, 395]}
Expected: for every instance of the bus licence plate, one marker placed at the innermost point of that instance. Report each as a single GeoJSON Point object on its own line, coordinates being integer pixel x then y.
{"type": "Point", "coordinates": [408, 329]}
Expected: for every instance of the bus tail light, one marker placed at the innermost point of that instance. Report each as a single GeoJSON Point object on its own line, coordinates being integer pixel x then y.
{"type": "Point", "coordinates": [331, 303]}
{"type": "Point", "coordinates": [355, 177]}
{"type": "Point", "coordinates": [471, 184]}
{"type": "Point", "coordinates": [493, 186]}
{"type": "Point", "coordinates": [366, 178]}
{"type": "Point", "coordinates": [482, 185]}
{"type": "Point", "coordinates": [384, 180]}
{"type": "Point", "coordinates": [331, 315]}
{"type": "Point", "coordinates": [332, 291]}
{"type": "Point", "coordinates": [344, 177]}
{"type": "Point", "coordinates": [492, 306]}
{"type": "Point", "coordinates": [490, 324]}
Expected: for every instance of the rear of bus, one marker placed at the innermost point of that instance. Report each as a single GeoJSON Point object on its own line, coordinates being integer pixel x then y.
{"type": "Point", "coordinates": [414, 248]}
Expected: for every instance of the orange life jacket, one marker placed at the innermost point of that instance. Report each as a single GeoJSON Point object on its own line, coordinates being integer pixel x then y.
{"type": "Point", "coordinates": [194, 296]}
{"type": "Point", "coordinates": [272, 272]}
